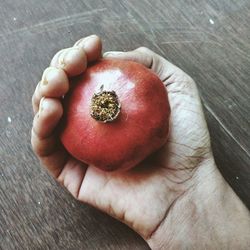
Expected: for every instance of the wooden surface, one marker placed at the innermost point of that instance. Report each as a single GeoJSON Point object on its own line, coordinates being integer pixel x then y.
{"type": "Point", "coordinates": [210, 40]}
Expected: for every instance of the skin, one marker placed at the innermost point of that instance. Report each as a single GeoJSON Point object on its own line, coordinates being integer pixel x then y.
{"type": "Point", "coordinates": [176, 199]}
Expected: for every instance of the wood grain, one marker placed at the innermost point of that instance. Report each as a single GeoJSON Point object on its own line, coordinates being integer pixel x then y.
{"type": "Point", "coordinates": [210, 40]}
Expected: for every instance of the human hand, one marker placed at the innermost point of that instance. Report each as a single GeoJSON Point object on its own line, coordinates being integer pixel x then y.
{"type": "Point", "coordinates": [152, 197]}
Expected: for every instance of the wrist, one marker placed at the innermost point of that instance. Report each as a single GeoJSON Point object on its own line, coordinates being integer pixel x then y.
{"type": "Point", "coordinates": [209, 215]}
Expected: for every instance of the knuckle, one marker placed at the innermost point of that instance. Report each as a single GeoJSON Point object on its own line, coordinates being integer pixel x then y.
{"type": "Point", "coordinates": [45, 74]}
{"type": "Point", "coordinates": [34, 143]}
{"type": "Point", "coordinates": [60, 179]}
{"type": "Point", "coordinates": [35, 147]}
{"type": "Point", "coordinates": [143, 49]}
{"type": "Point", "coordinates": [40, 151]}
{"type": "Point", "coordinates": [61, 51]}
{"type": "Point", "coordinates": [76, 195]}
{"type": "Point", "coordinates": [43, 148]}
{"type": "Point", "coordinates": [190, 80]}
{"type": "Point", "coordinates": [55, 58]}
{"type": "Point", "coordinates": [186, 79]}
{"type": "Point", "coordinates": [37, 151]}
{"type": "Point", "coordinates": [81, 51]}
{"type": "Point", "coordinates": [58, 71]}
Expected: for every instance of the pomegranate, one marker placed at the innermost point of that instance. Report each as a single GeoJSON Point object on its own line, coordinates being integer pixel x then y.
{"type": "Point", "coordinates": [115, 115]}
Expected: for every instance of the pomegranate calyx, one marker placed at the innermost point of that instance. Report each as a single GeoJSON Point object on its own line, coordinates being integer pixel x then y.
{"type": "Point", "coordinates": [105, 106]}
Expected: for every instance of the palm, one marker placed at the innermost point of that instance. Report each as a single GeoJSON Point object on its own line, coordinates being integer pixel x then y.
{"type": "Point", "coordinates": [136, 196]}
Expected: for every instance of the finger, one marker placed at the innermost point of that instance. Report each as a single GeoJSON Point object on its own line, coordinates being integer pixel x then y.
{"type": "Point", "coordinates": [54, 83]}
{"type": "Point", "coordinates": [72, 60]}
{"type": "Point", "coordinates": [92, 46]}
{"type": "Point", "coordinates": [54, 62]}
{"type": "Point", "coordinates": [163, 68]}
{"type": "Point", "coordinates": [55, 161]}
{"type": "Point", "coordinates": [71, 177]}
{"type": "Point", "coordinates": [45, 121]}
{"type": "Point", "coordinates": [43, 146]}
{"type": "Point", "coordinates": [44, 140]}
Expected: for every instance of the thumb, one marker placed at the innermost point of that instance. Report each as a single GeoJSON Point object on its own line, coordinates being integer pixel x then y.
{"type": "Point", "coordinates": [163, 68]}
{"type": "Point", "coordinates": [136, 55]}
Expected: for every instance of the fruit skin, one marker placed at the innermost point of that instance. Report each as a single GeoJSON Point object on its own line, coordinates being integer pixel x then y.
{"type": "Point", "coordinates": [140, 129]}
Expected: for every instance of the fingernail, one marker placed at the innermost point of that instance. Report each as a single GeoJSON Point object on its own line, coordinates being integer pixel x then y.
{"type": "Point", "coordinates": [67, 55]}
{"type": "Point", "coordinates": [41, 105]}
{"type": "Point", "coordinates": [112, 53]}
{"type": "Point", "coordinates": [61, 57]}
{"type": "Point", "coordinates": [44, 80]}
{"type": "Point", "coordinates": [81, 42]}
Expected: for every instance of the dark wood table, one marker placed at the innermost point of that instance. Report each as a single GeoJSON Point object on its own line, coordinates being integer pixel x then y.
{"type": "Point", "coordinates": [210, 40]}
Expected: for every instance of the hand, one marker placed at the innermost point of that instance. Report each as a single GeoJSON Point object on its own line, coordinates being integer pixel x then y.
{"type": "Point", "coordinates": [161, 195]}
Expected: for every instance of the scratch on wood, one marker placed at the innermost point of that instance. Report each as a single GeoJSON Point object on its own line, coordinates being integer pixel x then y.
{"type": "Point", "coordinates": [192, 37]}
{"type": "Point", "coordinates": [225, 128]}
{"type": "Point", "coordinates": [191, 41]}
{"type": "Point", "coordinates": [55, 23]}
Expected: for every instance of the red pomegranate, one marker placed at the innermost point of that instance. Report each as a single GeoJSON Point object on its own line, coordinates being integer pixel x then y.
{"type": "Point", "coordinates": [115, 115]}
